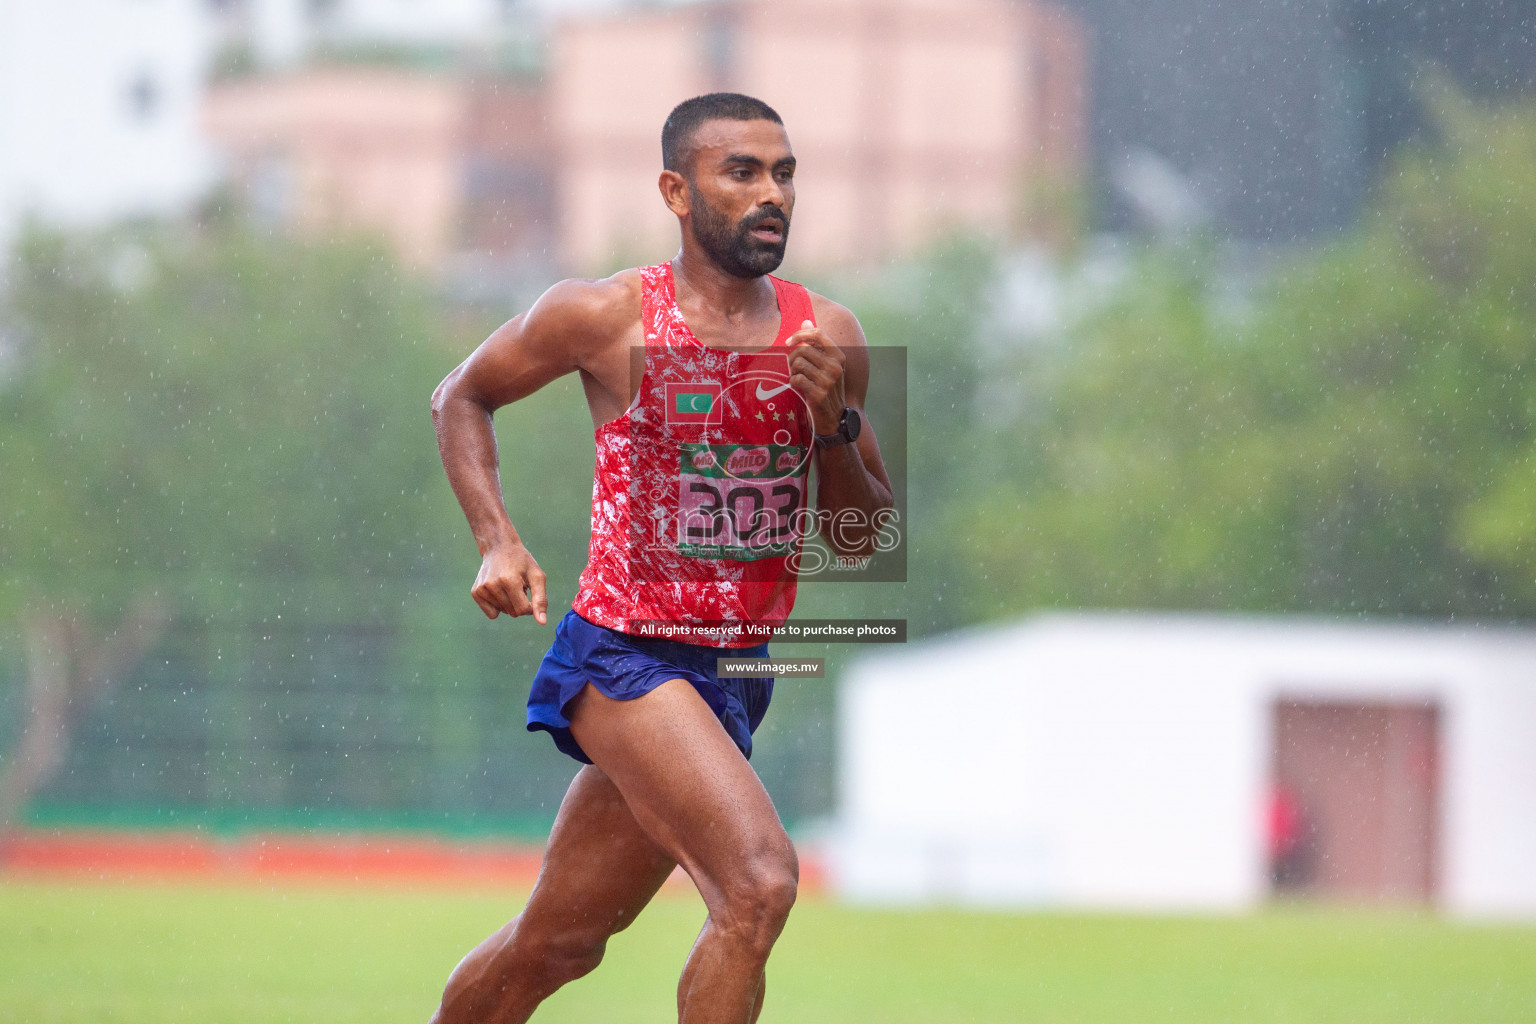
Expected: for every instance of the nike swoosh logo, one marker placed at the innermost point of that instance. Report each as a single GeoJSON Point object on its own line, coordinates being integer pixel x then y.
{"type": "Point", "coordinates": [761, 394]}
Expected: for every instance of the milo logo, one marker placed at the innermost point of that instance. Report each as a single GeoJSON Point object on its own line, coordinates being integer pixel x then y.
{"type": "Point", "coordinates": [703, 460]}
{"type": "Point", "coordinates": [787, 460]}
{"type": "Point", "coordinates": [747, 460]}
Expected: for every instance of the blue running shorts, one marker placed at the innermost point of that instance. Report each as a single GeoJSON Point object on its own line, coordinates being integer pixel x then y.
{"type": "Point", "coordinates": [625, 667]}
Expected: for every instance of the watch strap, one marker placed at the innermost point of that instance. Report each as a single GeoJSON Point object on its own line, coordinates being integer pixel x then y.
{"type": "Point", "coordinates": [847, 430]}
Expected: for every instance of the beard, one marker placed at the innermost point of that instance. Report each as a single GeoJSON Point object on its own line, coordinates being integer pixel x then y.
{"type": "Point", "coordinates": [733, 247]}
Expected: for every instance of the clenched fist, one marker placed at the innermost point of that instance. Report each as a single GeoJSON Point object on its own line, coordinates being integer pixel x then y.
{"type": "Point", "coordinates": [511, 581]}
{"type": "Point", "coordinates": [816, 372]}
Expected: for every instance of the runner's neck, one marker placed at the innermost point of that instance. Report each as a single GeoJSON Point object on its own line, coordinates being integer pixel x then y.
{"type": "Point", "coordinates": [715, 297]}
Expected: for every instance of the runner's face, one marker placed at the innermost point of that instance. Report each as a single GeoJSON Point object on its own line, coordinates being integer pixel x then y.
{"type": "Point", "coordinates": [742, 194]}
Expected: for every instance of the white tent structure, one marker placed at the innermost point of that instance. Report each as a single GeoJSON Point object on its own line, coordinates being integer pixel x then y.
{"type": "Point", "coordinates": [1136, 761]}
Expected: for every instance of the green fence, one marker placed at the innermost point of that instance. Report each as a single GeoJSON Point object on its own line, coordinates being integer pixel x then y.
{"type": "Point", "coordinates": [241, 726]}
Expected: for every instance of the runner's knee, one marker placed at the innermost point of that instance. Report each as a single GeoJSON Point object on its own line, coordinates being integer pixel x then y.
{"type": "Point", "coordinates": [556, 960]}
{"type": "Point", "coordinates": [758, 900]}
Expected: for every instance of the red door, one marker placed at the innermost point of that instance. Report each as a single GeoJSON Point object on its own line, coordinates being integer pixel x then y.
{"type": "Point", "coordinates": [1354, 808]}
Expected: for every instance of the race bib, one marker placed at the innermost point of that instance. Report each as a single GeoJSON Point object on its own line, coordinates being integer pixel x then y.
{"type": "Point", "coordinates": [739, 501]}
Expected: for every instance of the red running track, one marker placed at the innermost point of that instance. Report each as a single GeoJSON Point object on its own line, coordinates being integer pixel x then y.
{"type": "Point", "coordinates": [193, 856]}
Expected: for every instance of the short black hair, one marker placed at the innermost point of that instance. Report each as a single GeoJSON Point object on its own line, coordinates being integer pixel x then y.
{"type": "Point", "coordinates": [677, 133]}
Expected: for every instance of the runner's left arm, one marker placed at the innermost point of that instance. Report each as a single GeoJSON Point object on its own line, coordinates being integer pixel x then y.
{"type": "Point", "coordinates": [829, 366]}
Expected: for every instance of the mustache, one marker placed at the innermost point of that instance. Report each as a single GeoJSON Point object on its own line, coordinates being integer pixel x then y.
{"type": "Point", "coordinates": [768, 216]}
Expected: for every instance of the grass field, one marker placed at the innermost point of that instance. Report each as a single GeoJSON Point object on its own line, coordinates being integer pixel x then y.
{"type": "Point", "coordinates": [165, 954]}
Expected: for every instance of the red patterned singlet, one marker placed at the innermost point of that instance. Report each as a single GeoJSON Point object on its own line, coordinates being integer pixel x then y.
{"type": "Point", "coordinates": [699, 493]}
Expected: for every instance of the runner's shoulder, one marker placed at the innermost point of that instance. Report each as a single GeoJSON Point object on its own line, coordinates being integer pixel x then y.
{"type": "Point", "coordinates": [837, 322]}
{"type": "Point", "coordinates": [592, 311]}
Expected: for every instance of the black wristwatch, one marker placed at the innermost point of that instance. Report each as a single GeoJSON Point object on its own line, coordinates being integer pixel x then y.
{"type": "Point", "coordinates": [847, 430]}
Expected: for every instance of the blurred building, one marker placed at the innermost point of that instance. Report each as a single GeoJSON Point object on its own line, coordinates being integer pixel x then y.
{"type": "Point", "coordinates": [436, 164]}
{"type": "Point", "coordinates": [909, 118]}
{"type": "Point", "coordinates": [283, 33]}
{"type": "Point", "coordinates": [1193, 763]}
{"type": "Point", "coordinates": [1263, 121]}
{"type": "Point", "coordinates": [99, 106]}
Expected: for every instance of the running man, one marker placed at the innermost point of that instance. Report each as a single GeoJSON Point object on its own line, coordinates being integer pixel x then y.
{"type": "Point", "coordinates": [713, 389]}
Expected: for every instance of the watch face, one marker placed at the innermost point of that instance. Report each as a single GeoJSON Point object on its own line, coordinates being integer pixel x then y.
{"type": "Point", "coordinates": [847, 429]}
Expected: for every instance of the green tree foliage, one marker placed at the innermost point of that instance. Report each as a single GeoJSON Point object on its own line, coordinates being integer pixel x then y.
{"type": "Point", "coordinates": [201, 425]}
{"type": "Point", "coordinates": [218, 427]}
{"type": "Point", "coordinates": [238, 423]}
{"type": "Point", "coordinates": [225, 418]}
{"type": "Point", "coordinates": [1357, 438]}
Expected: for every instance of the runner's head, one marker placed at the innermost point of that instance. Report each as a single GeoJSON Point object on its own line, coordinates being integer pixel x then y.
{"type": "Point", "coordinates": [729, 177]}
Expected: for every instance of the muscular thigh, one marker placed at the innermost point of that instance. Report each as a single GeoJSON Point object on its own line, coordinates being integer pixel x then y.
{"type": "Point", "coordinates": [600, 868]}
{"type": "Point", "coordinates": [684, 780]}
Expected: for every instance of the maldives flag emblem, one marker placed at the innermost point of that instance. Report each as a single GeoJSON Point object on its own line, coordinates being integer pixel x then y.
{"type": "Point", "coordinates": [691, 402]}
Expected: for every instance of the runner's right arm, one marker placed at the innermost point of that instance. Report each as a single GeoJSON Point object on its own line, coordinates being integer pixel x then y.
{"type": "Point", "coordinates": [550, 340]}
